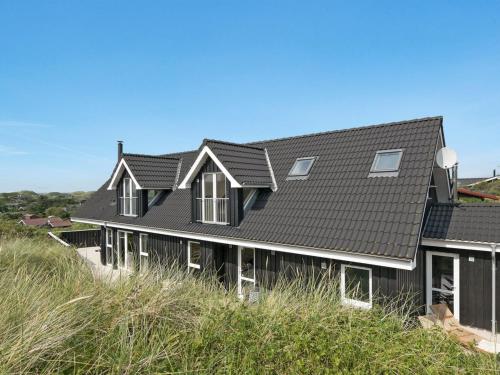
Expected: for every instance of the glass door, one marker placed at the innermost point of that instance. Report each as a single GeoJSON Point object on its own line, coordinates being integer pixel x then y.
{"type": "Point", "coordinates": [443, 280]}
{"type": "Point", "coordinates": [246, 271]}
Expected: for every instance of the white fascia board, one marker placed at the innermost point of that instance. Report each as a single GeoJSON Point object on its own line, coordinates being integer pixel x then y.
{"type": "Point", "coordinates": [321, 253]}
{"type": "Point", "coordinates": [457, 244]}
{"type": "Point", "coordinates": [198, 163]}
{"type": "Point", "coordinates": [116, 176]}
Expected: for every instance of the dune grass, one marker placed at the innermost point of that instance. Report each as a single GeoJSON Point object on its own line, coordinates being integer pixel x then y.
{"type": "Point", "coordinates": [55, 317]}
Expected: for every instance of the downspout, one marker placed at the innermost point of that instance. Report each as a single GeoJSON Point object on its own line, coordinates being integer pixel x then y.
{"type": "Point", "coordinates": [493, 299]}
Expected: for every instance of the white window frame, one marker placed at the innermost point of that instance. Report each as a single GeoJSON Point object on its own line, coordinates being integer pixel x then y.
{"type": "Point", "coordinates": [382, 152]}
{"type": "Point", "coordinates": [127, 182]}
{"type": "Point", "coordinates": [214, 198]}
{"type": "Point", "coordinates": [240, 277]}
{"type": "Point", "coordinates": [125, 267]}
{"type": "Point", "coordinates": [311, 158]}
{"type": "Point", "coordinates": [350, 301]}
{"type": "Point", "coordinates": [109, 245]}
{"type": "Point", "coordinates": [142, 252]}
{"type": "Point", "coordinates": [456, 280]}
{"type": "Point", "coordinates": [190, 264]}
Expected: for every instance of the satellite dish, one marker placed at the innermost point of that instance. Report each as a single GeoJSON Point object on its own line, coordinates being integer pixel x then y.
{"type": "Point", "coordinates": [446, 158]}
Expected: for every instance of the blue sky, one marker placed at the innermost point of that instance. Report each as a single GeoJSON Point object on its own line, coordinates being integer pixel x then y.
{"type": "Point", "coordinates": [77, 76]}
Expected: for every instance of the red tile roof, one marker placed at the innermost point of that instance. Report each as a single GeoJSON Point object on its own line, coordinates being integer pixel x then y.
{"type": "Point", "coordinates": [477, 194]}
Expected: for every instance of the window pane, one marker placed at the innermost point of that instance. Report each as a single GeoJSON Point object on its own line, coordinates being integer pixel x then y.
{"type": "Point", "coordinates": [126, 187]}
{"type": "Point", "coordinates": [442, 272]}
{"type": "Point", "coordinates": [126, 208]}
{"type": "Point", "coordinates": [357, 284]}
{"type": "Point", "coordinates": [209, 185]}
{"type": "Point", "coordinates": [130, 251]}
{"type": "Point", "coordinates": [221, 185]}
{"type": "Point", "coordinates": [387, 161]}
{"type": "Point", "coordinates": [247, 287]}
{"type": "Point", "coordinates": [121, 249]}
{"type": "Point", "coordinates": [301, 167]}
{"type": "Point", "coordinates": [144, 243]}
{"type": "Point", "coordinates": [109, 237]}
{"type": "Point", "coordinates": [194, 253]}
{"type": "Point", "coordinates": [247, 263]}
{"type": "Point", "coordinates": [133, 206]}
{"type": "Point", "coordinates": [134, 190]}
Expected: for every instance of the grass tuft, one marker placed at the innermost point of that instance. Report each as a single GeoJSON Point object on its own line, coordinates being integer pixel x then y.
{"type": "Point", "coordinates": [57, 318]}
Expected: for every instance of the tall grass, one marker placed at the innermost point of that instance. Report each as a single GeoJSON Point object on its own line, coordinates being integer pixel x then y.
{"type": "Point", "coordinates": [55, 317]}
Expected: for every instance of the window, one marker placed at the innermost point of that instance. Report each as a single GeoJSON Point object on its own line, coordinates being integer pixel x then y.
{"type": "Point", "coordinates": [249, 198]}
{"type": "Point", "coordinates": [246, 266]}
{"type": "Point", "coordinates": [301, 167]}
{"type": "Point", "coordinates": [194, 254]}
{"type": "Point", "coordinates": [109, 246]}
{"type": "Point", "coordinates": [214, 198]}
{"type": "Point", "coordinates": [143, 252]}
{"type": "Point", "coordinates": [387, 161]}
{"type": "Point", "coordinates": [153, 197]}
{"type": "Point", "coordinates": [128, 198]}
{"type": "Point", "coordinates": [356, 286]}
{"type": "Point", "coordinates": [125, 249]}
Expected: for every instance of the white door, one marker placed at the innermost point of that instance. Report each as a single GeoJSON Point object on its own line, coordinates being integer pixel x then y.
{"type": "Point", "coordinates": [246, 270]}
{"type": "Point", "coordinates": [442, 280]}
{"type": "Point", "coordinates": [125, 249]}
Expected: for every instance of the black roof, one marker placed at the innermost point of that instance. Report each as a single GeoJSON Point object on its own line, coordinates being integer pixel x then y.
{"type": "Point", "coordinates": [153, 172]}
{"type": "Point", "coordinates": [247, 164]}
{"type": "Point", "coordinates": [337, 208]}
{"type": "Point", "coordinates": [477, 222]}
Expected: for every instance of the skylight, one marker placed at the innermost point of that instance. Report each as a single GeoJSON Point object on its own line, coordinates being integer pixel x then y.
{"type": "Point", "coordinates": [387, 161]}
{"type": "Point", "coordinates": [302, 167]}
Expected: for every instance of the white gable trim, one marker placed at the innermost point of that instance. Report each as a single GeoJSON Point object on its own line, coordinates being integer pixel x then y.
{"type": "Point", "coordinates": [200, 160]}
{"type": "Point", "coordinates": [118, 173]}
{"type": "Point", "coordinates": [457, 244]}
{"type": "Point", "coordinates": [274, 187]}
{"type": "Point", "coordinates": [322, 253]}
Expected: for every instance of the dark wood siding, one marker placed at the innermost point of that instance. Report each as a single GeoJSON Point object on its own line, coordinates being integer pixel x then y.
{"type": "Point", "coordinates": [82, 238]}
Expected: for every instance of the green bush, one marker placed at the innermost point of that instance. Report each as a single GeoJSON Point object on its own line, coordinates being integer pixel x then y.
{"type": "Point", "coordinates": [56, 317]}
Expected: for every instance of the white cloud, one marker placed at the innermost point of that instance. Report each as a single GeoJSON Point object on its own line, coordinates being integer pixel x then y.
{"type": "Point", "coordinates": [9, 151]}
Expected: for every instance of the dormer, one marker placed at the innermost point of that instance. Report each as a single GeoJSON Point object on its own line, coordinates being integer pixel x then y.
{"type": "Point", "coordinates": [141, 180]}
{"type": "Point", "coordinates": [225, 179]}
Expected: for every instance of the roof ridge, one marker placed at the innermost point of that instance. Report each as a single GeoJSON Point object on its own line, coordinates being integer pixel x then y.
{"type": "Point", "coordinates": [151, 156]}
{"type": "Point", "coordinates": [232, 143]}
{"type": "Point", "coordinates": [363, 127]}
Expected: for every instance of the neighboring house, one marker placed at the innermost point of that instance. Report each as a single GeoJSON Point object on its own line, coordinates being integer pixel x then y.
{"type": "Point", "coordinates": [369, 203]}
{"type": "Point", "coordinates": [463, 182]}
{"type": "Point", "coordinates": [464, 192]}
{"type": "Point", "coordinates": [51, 221]}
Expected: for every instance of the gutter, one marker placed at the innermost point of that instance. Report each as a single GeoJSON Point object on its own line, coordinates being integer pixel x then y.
{"type": "Point", "coordinates": [374, 260]}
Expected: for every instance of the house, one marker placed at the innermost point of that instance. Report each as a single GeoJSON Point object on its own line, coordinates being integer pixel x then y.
{"type": "Point", "coordinates": [369, 203]}
{"type": "Point", "coordinates": [467, 182]}
{"type": "Point", "coordinates": [51, 221]}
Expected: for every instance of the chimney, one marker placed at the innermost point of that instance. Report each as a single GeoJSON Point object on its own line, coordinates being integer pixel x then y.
{"type": "Point", "coordinates": [120, 150]}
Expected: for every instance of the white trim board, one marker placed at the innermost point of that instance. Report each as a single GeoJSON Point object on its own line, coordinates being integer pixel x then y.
{"type": "Point", "coordinates": [198, 163]}
{"type": "Point", "coordinates": [456, 280]}
{"type": "Point", "coordinates": [457, 244]}
{"type": "Point", "coordinates": [116, 176]}
{"type": "Point", "coordinates": [321, 253]}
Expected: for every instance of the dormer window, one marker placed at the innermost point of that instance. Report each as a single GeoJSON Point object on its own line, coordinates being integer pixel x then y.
{"type": "Point", "coordinates": [214, 201]}
{"type": "Point", "coordinates": [128, 198]}
{"type": "Point", "coordinates": [301, 168]}
{"type": "Point", "coordinates": [386, 163]}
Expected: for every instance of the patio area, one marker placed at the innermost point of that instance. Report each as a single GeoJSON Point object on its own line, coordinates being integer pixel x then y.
{"type": "Point", "coordinates": [92, 255]}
